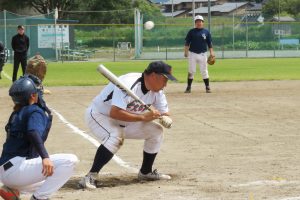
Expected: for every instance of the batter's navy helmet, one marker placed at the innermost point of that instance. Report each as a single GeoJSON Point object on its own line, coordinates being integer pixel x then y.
{"type": "Point", "coordinates": [21, 90]}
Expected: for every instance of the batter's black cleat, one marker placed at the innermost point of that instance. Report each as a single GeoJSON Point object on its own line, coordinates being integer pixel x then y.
{"type": "Point", "coordinates": [153, 176]}
{"type": "Point", "coordinates": [34, 198]}
{"type": "Point", "coordinates": [208, 89]}
{"type": "Point", "coordinates": [187, 90]}
{"type": "Point", "coordinates": [89, 181]}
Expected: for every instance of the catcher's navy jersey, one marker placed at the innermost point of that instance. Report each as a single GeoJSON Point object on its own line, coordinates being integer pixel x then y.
{"type": "Point", "coordinates": [198, 40]}
{"type": "Point", "coordinates": [29, 118]}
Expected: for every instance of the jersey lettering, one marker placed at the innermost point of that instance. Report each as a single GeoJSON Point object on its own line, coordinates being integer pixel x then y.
{"type": "Point", "coordinates": [136, 106]}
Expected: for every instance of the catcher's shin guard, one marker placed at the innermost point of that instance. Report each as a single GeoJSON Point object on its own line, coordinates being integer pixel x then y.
{"type": "Point", "coordinates": [9, 194]}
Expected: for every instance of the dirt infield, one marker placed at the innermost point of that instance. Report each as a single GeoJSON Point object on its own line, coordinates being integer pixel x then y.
{"type": "Point", "coordinates": [240, 142]}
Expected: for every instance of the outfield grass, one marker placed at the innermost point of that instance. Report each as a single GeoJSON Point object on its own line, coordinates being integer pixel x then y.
{"type": "Point", "coordinates": [84, 73]}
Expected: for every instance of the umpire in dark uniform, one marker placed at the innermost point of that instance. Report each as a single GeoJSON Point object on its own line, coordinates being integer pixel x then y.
{"type": "Point", "coordinates": [2, 57]}
{"type": "Point", "coordinates": [20, 45]}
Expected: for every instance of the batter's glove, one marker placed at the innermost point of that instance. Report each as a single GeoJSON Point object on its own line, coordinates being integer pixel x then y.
{"type": "Point", "coordinates": [211, 60]}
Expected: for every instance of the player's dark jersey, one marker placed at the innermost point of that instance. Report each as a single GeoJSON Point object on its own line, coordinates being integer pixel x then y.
{"type": "Point", "coordinates": [198, 40]}
{"type": "Point", "coordinates": [29, 118]}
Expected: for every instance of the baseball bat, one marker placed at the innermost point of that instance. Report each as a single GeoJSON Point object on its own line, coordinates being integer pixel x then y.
{"type": "Point", "coordinates": [114, 79]}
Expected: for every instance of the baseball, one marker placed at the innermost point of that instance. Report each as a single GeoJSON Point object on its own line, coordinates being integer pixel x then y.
{"type": "Point", "coordinates": [149, 25]}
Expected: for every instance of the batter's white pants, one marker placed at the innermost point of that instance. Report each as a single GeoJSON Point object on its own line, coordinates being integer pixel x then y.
{"type": "Point", "coordinates": [201, 60]}
{"type": "Point", "coordinates": [111, 134]}
{"type": "Point", "coordinates": [26, 175]}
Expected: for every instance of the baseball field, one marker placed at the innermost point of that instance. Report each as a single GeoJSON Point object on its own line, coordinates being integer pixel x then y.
{"type": "Point", "coordinates": [241, 142]}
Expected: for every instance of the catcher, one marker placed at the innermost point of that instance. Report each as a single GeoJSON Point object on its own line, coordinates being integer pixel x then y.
{"type": "Point", "coordinates": [25, 165]}
{"type": "Point", "coordinates": [114, 116]}
{"type": "Point", "coordinates": [196, 43]}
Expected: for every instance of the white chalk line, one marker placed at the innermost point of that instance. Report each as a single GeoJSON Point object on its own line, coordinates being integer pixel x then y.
{"type": "Point", "coordinates": [6, 75]}
{"type": "Point", "coordinates": [76, 130]}
{"type": "Point", "coordinates": [266, 183]}
{"type": "Point", "coordinates": [291, 198]}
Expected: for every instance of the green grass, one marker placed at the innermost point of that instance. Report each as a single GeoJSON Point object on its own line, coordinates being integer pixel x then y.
{"type": "Point", "coordinates": [84, 73]}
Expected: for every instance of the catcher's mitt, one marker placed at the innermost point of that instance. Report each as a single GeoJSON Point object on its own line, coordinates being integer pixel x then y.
{"type": "Point", "coordinates": [211, 60]}
{"type": "Point", "coordinates": [37, 66]}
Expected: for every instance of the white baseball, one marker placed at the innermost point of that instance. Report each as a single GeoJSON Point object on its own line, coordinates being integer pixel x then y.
{"type": "Point", "coordinates": [149, 25]}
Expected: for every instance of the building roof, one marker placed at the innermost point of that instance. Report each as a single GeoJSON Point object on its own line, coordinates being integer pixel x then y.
{"type": "Point", "coordinates": [283, 19]}
{"type": "Point", "coordinates": [224, 8]}
{"type": "Point", "coordinates": [175, 13]}
{"type": "Point", "coordinates": [255, 7]}
{"type": "Point", "coordinates": [158, 1]}
{"type": "Point", "coordinates": [186, 1]}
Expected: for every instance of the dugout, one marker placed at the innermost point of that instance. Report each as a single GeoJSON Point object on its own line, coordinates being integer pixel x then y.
{"type": "Point", "coordinates": [44, 38]}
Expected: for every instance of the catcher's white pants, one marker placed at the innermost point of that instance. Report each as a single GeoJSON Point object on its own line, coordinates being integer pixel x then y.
{"type": "Point", "coordinates": [26, 175]}
{"type": "Point", "coordinates": [201, 60]}
{"type": "Point", "coordinates": [111, 134]}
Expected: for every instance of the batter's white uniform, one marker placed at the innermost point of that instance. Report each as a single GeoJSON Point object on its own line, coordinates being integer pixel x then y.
{"type": "Point", "coordinates": [112, 132]}
{"type": "Point", "coordinates": [26, 175]}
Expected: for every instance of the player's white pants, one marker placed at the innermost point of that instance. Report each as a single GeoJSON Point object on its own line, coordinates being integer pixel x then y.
{"type": "Point", "coordinates": [201, 60]}
{"type": "Point", "coordinates": [26, 175]}
{"type": "Point", "coordinates": [111, 134]}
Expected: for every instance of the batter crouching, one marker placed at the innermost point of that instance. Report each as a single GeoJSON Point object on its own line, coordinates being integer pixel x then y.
{"type": "Point", "coordinates": [25, 165]}
{"type": "Point", "coordinates": [196, 43]}
{"type": "Point", "coordinates": [114, 116]}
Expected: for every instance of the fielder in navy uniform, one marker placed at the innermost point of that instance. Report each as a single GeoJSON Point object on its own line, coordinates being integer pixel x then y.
{"type": "Point", "coordinates": [196, 43]}
{"type": "Point", "coordinates": [25, 165]}
{"type": "Point", "coordinates": [20, 45]}
{"type": "Point", "coordinates": [114, 116]}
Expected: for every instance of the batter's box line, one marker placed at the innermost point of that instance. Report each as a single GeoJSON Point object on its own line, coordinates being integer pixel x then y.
{"type": "Point", "coordinates": [266, 183]}
{"type": "Point", "coordinates": [87, 137]}
{"type": "Point", "coordinates": [228, 131]}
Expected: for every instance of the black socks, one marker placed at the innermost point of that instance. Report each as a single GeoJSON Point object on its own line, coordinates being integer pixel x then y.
{"type": "Point", "coordinates": [206, 81]}
{"type": "Point", "coordinates": [189, 83]}
{"type": "Point", "coordinates": [148, 161]}
{"type": "Point", "coordinates": [102, 157]}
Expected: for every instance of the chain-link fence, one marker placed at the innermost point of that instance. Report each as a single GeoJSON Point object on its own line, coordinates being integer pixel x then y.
{"type": "Point", "coordinates": [34, 28]}
{"type": "Point", "coordinates": [104, 35]}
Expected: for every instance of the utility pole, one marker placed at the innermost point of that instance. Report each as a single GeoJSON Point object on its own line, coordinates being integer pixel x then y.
{"type": "Point", "coordinates": [172, 8]}
{"type": "Point", "coordinates": [209, 14]}
{"type": "Point", "coordinates": [193, 9]}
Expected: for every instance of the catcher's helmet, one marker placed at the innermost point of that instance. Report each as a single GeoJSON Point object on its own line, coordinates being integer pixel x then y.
{"type": "Point", "coordinates": [21, 90]}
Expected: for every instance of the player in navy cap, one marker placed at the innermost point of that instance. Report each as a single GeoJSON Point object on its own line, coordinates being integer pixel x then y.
{"type": "Point", "coordinates": [114, 116]}
{"type": "Point", "coordinates": [196, 42]}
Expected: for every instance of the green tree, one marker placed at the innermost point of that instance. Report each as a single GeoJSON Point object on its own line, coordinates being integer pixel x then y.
{"type": "Point", "coordinates": [293, 7]}
{"type": "Point", "coordinates": [274, 7]}
{"type": "Point", "coordinates": [116, 11]}
{"type": "Point", "coordinates": [41, 6]}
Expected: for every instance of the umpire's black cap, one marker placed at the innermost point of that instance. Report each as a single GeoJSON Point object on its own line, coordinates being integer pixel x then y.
{"type": "Point", "coordinates": [160, 67]}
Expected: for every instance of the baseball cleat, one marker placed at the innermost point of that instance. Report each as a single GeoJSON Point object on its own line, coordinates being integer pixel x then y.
{"type": "Point", "coordinates": [153, 176]}
{"type": "Point", "coordinates": [9, 194]}
{"type": "Point", "coordinates": [89, 181]}
{"type": "Point", "coordinates": [208, 90]}
{"type": "Point", "coordinates": [188, 90]}
{"type": "Point", "coordinates": [34, 198]}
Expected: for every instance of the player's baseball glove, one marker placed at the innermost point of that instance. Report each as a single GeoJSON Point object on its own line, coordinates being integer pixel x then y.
{"type": "Point", "coordinates": [211, 60]}
{"type": "Point", "coordinates": [37, 66]}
